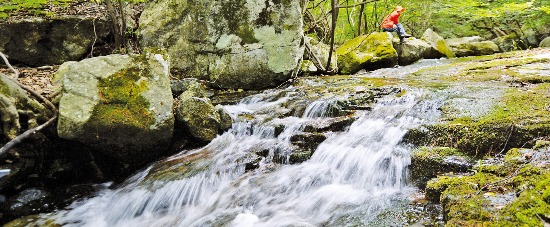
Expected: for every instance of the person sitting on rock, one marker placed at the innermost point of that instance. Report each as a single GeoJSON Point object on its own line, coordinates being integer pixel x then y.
{"type": "Point", "coordinates": [391, 23]}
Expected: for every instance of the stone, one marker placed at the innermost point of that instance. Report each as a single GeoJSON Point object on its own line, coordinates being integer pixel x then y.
{"type": "Point", "coordinates": [411, 50]}
{"type": "Point", "coordinates": [234, 44]}
{"type": "Point", "coordinates": [545, 43]}
{"type": "Point", "coordinates": [321, 51]}
{"type": "Point", "coordinates": [472, 46]}
{"type": "Point", "coordinates": [440, 48]}
{"type": "Point", "coordinates": [196, 112]}
{"type": "Point", "coordinates": [509, 43]}
{"type": "Point", "coordinates": [369, 52]}
{"type": "Point", "coordinates": [119, 104]}
{"type": "Point", "coordinates": [37, 41]}
{"type": "Point", "coordinates": [18, 109]}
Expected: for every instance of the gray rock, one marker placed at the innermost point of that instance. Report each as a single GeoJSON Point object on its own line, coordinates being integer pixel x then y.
{"type": "Point", "coordinates": [225, 119]}
{"type": "Point", "coordinates": [472, 46]}
{"type": "Point", "coordinates": [411, 50]}
{"type": "Point", "coordinates": [120, 104]}
{"type": "Point", "coordinates": [509, 43]}
{"type": "Point", "coordinates": [440, 48]}
{"type": "Point", "coordinates": [321, 51]}
{"type": "Point", "coordinates": [199, 116]}
{"type": "Point", "coordinates": [234, 44]}
{"type": "Point", "coordinates": [15, 106]}
{"type": "Point", "coordinates": [37, 41]}
{"type": "Point", "coordinates": [545, 43]}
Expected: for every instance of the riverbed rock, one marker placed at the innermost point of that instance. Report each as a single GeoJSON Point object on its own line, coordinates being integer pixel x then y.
{"type": "Point", "coordinates": [369, 52]}
{"type": "Point", "coordinates": [119, 104]}
{"type": "Point", "coordinates": [198, 115]}
{"type": "Point", "coordinates": [37, 41]}
{"type": "Point", "coordinates": [428, 162]}
{"type": "Point", "coordinates": [472, 46]}
{"type": "Point", "coordinates": [440, 48]}
{"type": "Point", "coordinates": [545, 43]}
{"type": "Point", "coordinates": [411, 50]}
{"type": "Point", "coordinates": [509, 43]}
{"type": "Point", "coordinates": [234, 44]}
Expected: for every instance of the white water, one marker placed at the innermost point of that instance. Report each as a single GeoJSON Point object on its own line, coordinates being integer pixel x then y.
{"type": "Point", "coordinates": [352, 176]}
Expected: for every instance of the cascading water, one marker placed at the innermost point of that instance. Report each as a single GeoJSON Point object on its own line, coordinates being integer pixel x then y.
{"type": "Point", "coordinates": [351, 177]}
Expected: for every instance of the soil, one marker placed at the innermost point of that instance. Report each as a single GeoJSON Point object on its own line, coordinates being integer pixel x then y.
{"type": "Point", "coordinates": [40, 78]}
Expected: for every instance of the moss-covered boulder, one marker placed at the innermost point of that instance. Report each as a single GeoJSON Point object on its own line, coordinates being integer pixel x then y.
{"type": "Point", "coordinates": [199, 116]}
{"type": "Point", "coordinates": [545, 43]}
{"type": "Point", "coordinates": [509, 43]}
{"type": "Point", "coordinates": [472, 46]}
{"type": "Point", "coordinates": [428, 162]}
{"type": "Point", "coordinates": [411, 50]}
{"type": "Point", "coordinates": [234, 44]}
{"type": "Point", "coordinates": [119, 104]}
{"type": "Point", "coordinates": [38, 41]}
{"type": "Point", "coordinates": [18, 111]}
{"type": "Point", "coordinates": [439, 45]}
{"type": "Point", "coordinates": [511, 192]}
{"type": "Point", "coordinates": [369, 52]}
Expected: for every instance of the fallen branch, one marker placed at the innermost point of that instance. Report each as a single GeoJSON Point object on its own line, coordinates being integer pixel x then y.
{"type": "Point", "coordinates": [9, 66]}
{"type": "Point", "coordinates": [316, 60]}
{"type": "Point", "coordinates": [17, 140]}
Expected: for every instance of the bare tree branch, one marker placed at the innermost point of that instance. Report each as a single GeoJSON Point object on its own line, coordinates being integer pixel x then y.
{"type": "Point", "coordinates": [17, 140]}
{"type": "Point", "coordinates": [9, 66]}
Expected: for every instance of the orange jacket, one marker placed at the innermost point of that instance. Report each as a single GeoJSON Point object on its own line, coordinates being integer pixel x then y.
{"type": "Point", "coordinates": [392, 18]}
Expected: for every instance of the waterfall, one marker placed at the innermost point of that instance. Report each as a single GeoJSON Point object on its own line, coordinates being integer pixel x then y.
{"type": "Point", "coordinates": [351, 177]}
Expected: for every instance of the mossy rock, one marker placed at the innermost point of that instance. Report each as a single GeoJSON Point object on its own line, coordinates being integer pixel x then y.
{"type": "Point", "coordinates": [199, 116]}
{"type": "Point", "coordinates": [119, 104]}
{"type": "Point", "coordinates": [369, 52]}
{"type": "Point", "coordinates": [19, 112]}
{"type": "Point", "coordinates": [509, 43]}
{"type": "Point", "coordinates": [37, 41]}
{"type": "Point", "coordinates": [440, 48]}
{"type": "Point", "coordinates": [428, 162]}
{"type": "Point", "coordinates": [234, 44]}
{"type": "Point", "coordinates": [545, 43]}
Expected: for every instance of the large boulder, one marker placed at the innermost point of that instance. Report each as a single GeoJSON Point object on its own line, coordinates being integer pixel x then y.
{"type": "Point", "coordinates": [440, 48]}
{"type": "Point", "coordinates": [39, 41]}
{"type": "Point", "coordinates": [472, 46]}
{"type": "Point", "coordinates": [411, 50]}
{"type": "Point", "coordinates": [198, 115]}
{"type": "Point", "coordinates": [369, 52]}
{"type": "Point", "coordinates": [235, 44]}
{"type": "Point", "coordinates": [119, 104]}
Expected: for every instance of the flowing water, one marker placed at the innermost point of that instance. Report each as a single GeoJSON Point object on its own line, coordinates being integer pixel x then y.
{"type": "Point", "coordinates": [351, 179]}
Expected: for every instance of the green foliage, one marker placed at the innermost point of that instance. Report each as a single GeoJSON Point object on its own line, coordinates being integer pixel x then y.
{"type": "Point", "coordinates": [449, 18]}
{"type": "Point", "coordinates": [35, 7]}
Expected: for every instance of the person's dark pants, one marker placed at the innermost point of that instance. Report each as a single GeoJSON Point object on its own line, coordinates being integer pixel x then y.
{"type": "Point", "coordinates": [399, 29]}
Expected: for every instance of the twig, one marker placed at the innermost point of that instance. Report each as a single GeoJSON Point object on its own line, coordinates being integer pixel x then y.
{"type": "Point", "coordinates": [9, 66]}
{"type": "Point", "coordinates": [316, 60]}
{"type": "Point", "coordinates": [507, 139]}
{"type": "Point", "coordinates": [14, 142]}
{"type": "Point", "coordinates": [515, 173]}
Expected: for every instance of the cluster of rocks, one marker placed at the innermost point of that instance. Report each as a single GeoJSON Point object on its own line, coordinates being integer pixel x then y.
{"type": "Point", "coordinates": [119, 112]}
{"type": "Point", "coordinates": [381, 50]}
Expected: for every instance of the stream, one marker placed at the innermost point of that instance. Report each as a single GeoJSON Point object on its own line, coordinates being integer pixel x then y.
{"type": "Point", "coordinates": [356, 176]}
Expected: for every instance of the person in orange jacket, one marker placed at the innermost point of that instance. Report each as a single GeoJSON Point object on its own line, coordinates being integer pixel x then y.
{"type": "Point", "coordinates": [391, 23]}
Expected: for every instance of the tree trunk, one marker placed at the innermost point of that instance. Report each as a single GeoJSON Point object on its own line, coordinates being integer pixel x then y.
{"type": "Point", "coordinates": [360, 18]}
{"type": "Point", "coordinates": [333, 27]}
